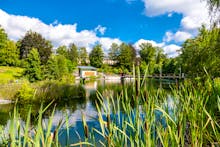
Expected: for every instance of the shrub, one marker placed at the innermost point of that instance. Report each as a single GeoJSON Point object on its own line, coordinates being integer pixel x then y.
{"type": "Point", "coordinates": [26, 93]}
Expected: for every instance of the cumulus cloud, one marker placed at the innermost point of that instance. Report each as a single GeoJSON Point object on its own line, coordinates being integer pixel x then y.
{"type": "Point", "coordinates": [16, 26]}
{"type": "Point", "coordinates": [179, 36]}
{"type": "Point", "coordinates": [171, 50]}
{"type": "Point", "coordinates": [194, 14]}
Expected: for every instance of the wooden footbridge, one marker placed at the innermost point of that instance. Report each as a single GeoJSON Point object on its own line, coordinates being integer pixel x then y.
{"type": "Point", "coordinates": [168, 76]}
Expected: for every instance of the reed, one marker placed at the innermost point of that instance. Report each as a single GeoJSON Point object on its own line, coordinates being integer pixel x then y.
{"type": "Point", "coordinates": [146, 118]}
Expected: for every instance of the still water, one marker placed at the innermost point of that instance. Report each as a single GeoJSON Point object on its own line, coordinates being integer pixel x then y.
{"type": "Point", "coordinates": [75, 108]}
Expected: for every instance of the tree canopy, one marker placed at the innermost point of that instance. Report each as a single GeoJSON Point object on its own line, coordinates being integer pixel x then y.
{"type": "Point", "coordinates": [126, 57]}
{"type": "Point", "coordinates": [202, 52]}
{"type": "Point", "coordinates": [35, 40]}
{"type": "Point", "coordinates": [96, 56]}
{"type": "Point", "coordinates": [83, 56]}
{"type": "Point", "coordinates": [152, 56]}
{"type": "Point", "coordinates": [33, 69]}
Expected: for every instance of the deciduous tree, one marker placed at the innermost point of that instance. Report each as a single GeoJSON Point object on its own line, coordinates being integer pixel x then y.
{"type": "Point", "coordinates": [33, 69]}
{"type": "Point", "coordinates": [96, 56]}
{"type": "Point", "coordinates": [83, 56]}
{"type": "Point", "coordinates": [114, 52]}
{"type": "Point", "coordinates": [126, 57]}
{"type": "Point", "coordinates": [35, 40]}
{"type": "Point", "coordinates": [73, 54]}
{"type": "Point", "coordinates": [148, 55]}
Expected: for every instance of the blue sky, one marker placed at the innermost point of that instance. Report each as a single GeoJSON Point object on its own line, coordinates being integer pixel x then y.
{"type": "Point", "coordinates": [86, 22]}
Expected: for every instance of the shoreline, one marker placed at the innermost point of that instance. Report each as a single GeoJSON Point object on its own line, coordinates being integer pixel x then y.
{"type": "Point", "coordinates": [4, 101]}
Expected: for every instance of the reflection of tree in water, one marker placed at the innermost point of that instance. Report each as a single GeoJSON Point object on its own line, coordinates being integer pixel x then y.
{"type": "Point", "coordinates": [5, 110]}
{"type": "Point", "coordinates": [125, 92]}
{"type": "Point", "coordinates": [63, 96]}
{"type": "Point", "coordinates": [73, 97]}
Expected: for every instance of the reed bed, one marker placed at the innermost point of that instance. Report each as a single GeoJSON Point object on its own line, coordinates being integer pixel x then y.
{"type": "Point", "coordinates": [144, 118]}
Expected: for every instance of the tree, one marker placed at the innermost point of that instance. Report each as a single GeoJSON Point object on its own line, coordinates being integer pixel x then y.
{"type": "Point", "coordinates": [35, 40]}
{"type": "Point", "coordinates": [62, 50]}
{"type": "Point", "coordinates": [52, 68]}
{"type": "Point", "coordinates": [73, 54]}
{"type": "Point", "coordinates": [114, 52]}
{"type": "Point", "coordinates": [126, 57]}
{"type": "Point", "coordinates": [83, 56]}
{"type": "Point", "coordinates": [202, 52]}
{"type": "Point", "coordinates": [169, 65]}
{"type": "Point", "coordinates": [3, 38]}
{"type": "Point", "coordinates": [160, 57]}
{"type": "Point", "coordinates": [3, 43]}
{"type": "Point", "coordinates": [62, 64]}
{"type": "Point", "coordinates": [96, 56]}
{"type": "Point", "coordinates": [148, 55]}
{"type": "Point", "coordinates": [57, 66]}
{"type": "Point", "coordinates": [10, 54]}
{"type": "Point", "coordinates": [8, 50]}
{"type": "Point", "coordinates": [33, 69]}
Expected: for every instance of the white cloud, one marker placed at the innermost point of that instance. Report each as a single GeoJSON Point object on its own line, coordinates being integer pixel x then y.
{"type": "Point", "coordinates": [16, 26]}
{"type": "Point", "coordinates": [195, 12]}
{"type": "Point", "coordinates": [100, 29]}
{"type": "Point", "coordinates": [171, 50]}
{"type": "Point", "coordinates": [179, 36]}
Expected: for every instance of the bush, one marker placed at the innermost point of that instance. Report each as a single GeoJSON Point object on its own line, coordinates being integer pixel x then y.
{"type": "Point", "coordinates": [26, 93]}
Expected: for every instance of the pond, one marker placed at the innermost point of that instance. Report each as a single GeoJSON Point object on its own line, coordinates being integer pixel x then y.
{"type": "Point", "coordinates": [74, 109]}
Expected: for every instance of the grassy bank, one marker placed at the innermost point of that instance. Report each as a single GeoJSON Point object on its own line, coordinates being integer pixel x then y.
{"type": "Point", "coordinates": [10, 79]}
{"type": "Point", "coordinates": [10, 74]}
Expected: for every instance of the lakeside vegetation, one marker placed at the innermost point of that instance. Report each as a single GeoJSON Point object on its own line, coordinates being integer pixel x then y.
{"type": "Point", "coordinates": [135, 118]}
{"type": "Point", "coordinates": [134, 115]}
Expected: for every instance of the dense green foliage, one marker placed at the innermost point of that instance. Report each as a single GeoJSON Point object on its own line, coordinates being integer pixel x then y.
{"type": "Point", "coordinates": [83, 56]}
{"type": "Point", "coordinates": [52, 68]}
{"type": "Point", "coordinates": [114, 52]}
{"type": "Point", "coordinates": [96, 56]}
{"type": "Point", "coordinates": [127, 57]}
{"type": "Point", "coordinates": [35, 40]}
{"type": "Point", "coordinates": [153, 57]}
{"type": "Point", "coordinates": [62, 50]}
{"type": "Point", "coordinates": [170, 66]}
{"type": "Point", "coordinates": [3, 38]}
{"type": "Point", "coordinates": [202, 52]}
{"type": "Point", "coordinates": [9, 54]}
{"type": "Point", "coordinates": [33, 69]}
{"type": "Point", "coordinates": [73, 54]}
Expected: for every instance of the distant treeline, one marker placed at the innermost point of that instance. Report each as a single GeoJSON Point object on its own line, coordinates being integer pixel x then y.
{"type": "Point", "coordinates": [35, 54]}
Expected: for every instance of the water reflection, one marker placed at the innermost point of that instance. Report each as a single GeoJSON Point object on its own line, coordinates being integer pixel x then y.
{"type": "Point", "coordinates": [73, 107]}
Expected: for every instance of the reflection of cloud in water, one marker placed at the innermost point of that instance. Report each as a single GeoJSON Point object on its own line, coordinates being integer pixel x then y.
{"type": "Point", "coordinates": [75, 116]}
